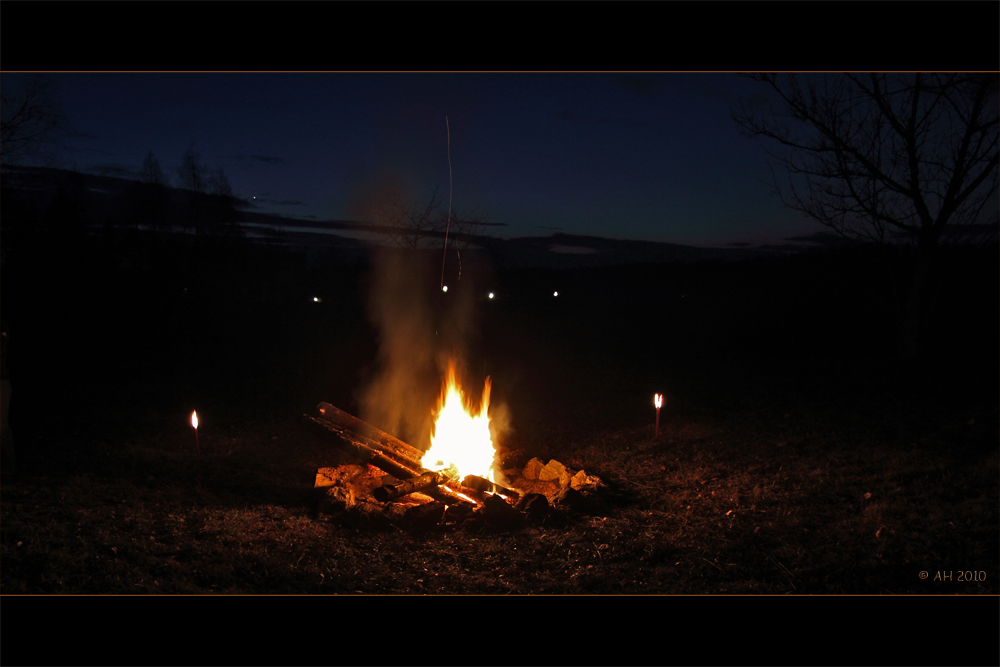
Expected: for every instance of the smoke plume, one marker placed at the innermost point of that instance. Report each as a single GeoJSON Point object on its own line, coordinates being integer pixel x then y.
{"type": "Point", "coordinates": [420, 330]}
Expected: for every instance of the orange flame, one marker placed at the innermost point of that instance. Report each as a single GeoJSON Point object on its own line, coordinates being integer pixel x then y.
{"type": "Point", "coordinates": [459, 438]}
{"type": "Point", "coordinates": [194, 419]}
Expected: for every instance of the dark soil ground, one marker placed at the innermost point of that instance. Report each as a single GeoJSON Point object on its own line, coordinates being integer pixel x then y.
{"type": "Point", "coordinates": [789, 461]}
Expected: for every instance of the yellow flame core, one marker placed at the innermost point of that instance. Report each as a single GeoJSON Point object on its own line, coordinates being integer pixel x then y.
{"type": "Point", "coordinates": [460, 438]}
{"type": "Point", "coordinates": [194, 419]}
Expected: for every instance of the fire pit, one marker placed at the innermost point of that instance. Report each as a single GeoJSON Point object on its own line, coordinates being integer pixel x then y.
{"type": "Point", "coordinates": [461, 476]}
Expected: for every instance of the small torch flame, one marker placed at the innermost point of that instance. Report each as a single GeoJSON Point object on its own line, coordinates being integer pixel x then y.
{"type": "Point", "coordinates": [657, 401]}
{"type": "Point", "coordinates": [194, 423]}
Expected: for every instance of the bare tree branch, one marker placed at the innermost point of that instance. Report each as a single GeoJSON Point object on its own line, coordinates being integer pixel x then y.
{"type": "Point", "coordinates": [417, 226]}
{"type": "Point", "coordinates": [33, 123]}
{"type": "Point", "coordinates": [893, 158]}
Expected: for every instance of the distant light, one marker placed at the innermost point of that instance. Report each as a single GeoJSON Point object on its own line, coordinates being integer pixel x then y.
{"type": "Point", "coordinates": [555, 294]}
{"type": "Point", "coordinates": [316, 299]}
{"type": "Point", "coordinates": [491, 295]}
{"type": "Point", "coordinates": [444, 289]}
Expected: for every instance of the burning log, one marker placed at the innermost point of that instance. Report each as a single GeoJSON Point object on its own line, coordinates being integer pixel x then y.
{"type": "Point", "coordinates": [390, 459]}
{"type": "Point", "coordinates": [428, 480]}
{"type": "Point", "coordinates": [462, 491]}
{"type": "Point", "coordinates": [480, 484]}
{"type": "Point", "coordinates": [449, 496]}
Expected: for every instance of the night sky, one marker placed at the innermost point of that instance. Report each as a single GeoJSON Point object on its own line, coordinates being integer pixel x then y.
{"type": "Point", "coordinates": [652, 157]}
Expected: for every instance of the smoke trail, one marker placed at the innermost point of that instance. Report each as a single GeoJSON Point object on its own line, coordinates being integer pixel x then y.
{"type": "Point", "coordinates": [399, 396]}
{"type": "Point", "coordinates": [420, 330]}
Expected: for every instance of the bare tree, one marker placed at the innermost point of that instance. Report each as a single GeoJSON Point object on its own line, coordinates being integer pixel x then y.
{"type": "Point", "coordinates": [408, 225]}
{"type": "Point", "coordinates": [222, 206]}
{"type": "Point", "coordinates": [196, 179]}
{"type": "Point", "coordinates": [33, 123]}
{"type": "Point", "coordinates": [905, 160]}
{"type": "Point", "coordinates": [192, 173]}
{"type": "Point", "coordinates": [423, 225]}
{"type": "Point", "coordinates": [151, 173]}
{"type": "Point", "coordinates": [218, 184]}
{"type": "Point", "coordinates": [149, 197]}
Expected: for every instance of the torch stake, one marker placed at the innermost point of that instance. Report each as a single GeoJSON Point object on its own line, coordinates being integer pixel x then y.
{"type": "Point", "coordinates": [657, 423]}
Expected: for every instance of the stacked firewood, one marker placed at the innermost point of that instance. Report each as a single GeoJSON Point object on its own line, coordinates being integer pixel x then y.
{"type": "Point", "coordinates": [400, 461]}
{"type": "Point", "coordinates": [395, 483]}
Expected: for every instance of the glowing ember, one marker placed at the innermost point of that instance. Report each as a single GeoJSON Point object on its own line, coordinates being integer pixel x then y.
{"type": "Point", "coordinates": [460, 438]}
{"type": "Point", "coordinates": [465, 497]}
{"type": "Point", "coordinates": [194, 419]}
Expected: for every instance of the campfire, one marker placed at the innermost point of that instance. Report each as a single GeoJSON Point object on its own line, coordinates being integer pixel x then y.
{"type": "Point", "coordinates": [461, 473]}
{"type": "Point", "coordinates": [461, 440]}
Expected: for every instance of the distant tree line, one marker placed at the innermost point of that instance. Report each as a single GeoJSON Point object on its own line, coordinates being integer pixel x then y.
{"type": "Point", "coordinates": [208, 206]}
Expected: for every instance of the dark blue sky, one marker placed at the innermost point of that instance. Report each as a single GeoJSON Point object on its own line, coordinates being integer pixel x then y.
{"type": "Point", "coordinates": [625, 156]}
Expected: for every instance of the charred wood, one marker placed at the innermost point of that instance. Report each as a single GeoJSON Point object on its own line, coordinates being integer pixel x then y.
{"type": "Point", "coordinates": [460, 490]}
{"type": "Point", "coordinates": [428, 480]}
{"type": "Point", "coordinates": [424, 517]}
{"type": "Point", "coordinates": [372, 452]}
{"type": "Point", "coordinates": [449, 497]}
{"type": "Point", "coordinates": [534, 505]}
{"type": "Point", "coordinates": [497, 512]}
{"type": "Point", "coordinates": [485, 485]}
